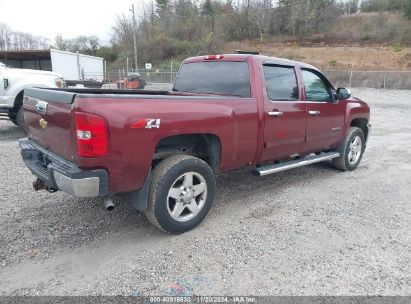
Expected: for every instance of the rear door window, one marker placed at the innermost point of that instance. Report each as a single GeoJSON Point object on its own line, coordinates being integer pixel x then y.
{"type": "Point", "coordinates": [280, 82]}
{"type": "Point", "coordinates": [214, 77]}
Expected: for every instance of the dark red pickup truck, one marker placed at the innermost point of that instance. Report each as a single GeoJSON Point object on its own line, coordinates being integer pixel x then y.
{"type": "Point", "coordinates": [225, 112]}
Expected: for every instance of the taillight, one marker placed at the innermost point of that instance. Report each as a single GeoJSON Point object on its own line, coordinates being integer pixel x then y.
{"type": "Point", "coordinates": [91, 135]}
{"type": "Point", "coordinates": [213, 57]}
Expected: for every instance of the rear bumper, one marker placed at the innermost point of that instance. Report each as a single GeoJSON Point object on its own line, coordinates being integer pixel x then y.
{"type": "Point", "coordinates": [59, 174]}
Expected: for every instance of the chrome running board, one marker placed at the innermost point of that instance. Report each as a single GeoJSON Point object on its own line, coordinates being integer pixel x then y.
{"type": "Point", "coordinates": [308, 160]}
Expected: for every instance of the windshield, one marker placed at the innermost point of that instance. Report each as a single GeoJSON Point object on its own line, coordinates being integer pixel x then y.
{"type": "Point", "coordinates": [214, 77]}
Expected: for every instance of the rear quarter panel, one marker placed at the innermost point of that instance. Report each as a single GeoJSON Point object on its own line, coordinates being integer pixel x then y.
{"type": "Point", "coordinates": [233, 120]}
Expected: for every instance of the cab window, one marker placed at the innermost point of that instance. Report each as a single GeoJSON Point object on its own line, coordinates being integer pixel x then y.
{"type": "Point", "coordinates": [316, 89]}
{"type": "Point", "coordinates": [280, 82]}
{"type": "Point", "coordinates": [214, 77]}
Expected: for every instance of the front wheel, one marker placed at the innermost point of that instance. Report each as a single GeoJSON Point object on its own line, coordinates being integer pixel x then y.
{"type": "Point", "coordinates": [351, 150]}
{"type": "Point", "coordinates": [13, 117]}
{"type": "Point", "coordinates": [181, 193]}
{"type": "Point", "coordinates": [20, 119]}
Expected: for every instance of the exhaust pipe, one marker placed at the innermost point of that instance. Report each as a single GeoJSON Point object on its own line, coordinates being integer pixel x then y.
{"type": "Point", "coordinates": [108, 203]}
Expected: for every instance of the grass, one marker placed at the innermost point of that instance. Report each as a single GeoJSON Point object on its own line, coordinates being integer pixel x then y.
{"type": "Point", "coordinates": [397, 47]}
{"type": "Point", "coordinates": [332, 63]}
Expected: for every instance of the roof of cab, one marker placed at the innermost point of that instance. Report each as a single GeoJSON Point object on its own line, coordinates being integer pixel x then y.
{"type": "Point", "coordinates": [263, 59]}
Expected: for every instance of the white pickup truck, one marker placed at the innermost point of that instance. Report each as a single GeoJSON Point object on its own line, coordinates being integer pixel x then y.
{"type": "Point", "coordinates": [12, 84]}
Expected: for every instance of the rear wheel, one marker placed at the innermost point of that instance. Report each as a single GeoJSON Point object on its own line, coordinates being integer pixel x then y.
{"type": "Point", "coordinates": [351, 150]}
{"type": "Point", "coordinates": [181, 193]}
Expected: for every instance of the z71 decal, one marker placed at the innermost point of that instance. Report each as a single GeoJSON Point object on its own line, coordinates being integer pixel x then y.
{"type": "Point", "coordinates": [147, 123]}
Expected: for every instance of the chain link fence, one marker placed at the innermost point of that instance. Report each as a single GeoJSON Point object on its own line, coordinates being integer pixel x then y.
{"type": "Point", "coordinates": [370, 79]}
{"type": "Point", "coordinates": [163, 79]}
{"type": "Point", "coordinates": [153, 79]}
{"type": "Point", "coordinates": [159, 76]}
{"type": "Point", "coordinates": [153, 76]}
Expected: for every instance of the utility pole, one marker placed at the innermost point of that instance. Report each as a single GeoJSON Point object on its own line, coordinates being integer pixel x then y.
{"type": "Point", "coordinates": [134, 37]}
{"type": "Point", "coordinates": [127, 65]}
{"type": "Point", "coordinates": [171, 74]}
{"type": "Point", "coordinates": [306, 16]}
{"type": "Point", "coordinates": [78, 66]}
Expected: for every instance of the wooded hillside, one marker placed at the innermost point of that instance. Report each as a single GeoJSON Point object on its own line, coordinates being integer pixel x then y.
{"type": "Point", "coordinates": [174, 29]}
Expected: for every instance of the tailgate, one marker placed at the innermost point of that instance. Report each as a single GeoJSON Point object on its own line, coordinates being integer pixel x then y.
{"type": "Point", "coordinates": [49, 121]}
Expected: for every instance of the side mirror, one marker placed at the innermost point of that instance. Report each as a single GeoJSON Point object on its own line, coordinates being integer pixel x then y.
{"type": "Point", "coordinates": [343, 93]}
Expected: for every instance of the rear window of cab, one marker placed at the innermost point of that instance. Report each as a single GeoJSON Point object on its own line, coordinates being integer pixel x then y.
{"type": "Point", "coordinates": [214, 77]}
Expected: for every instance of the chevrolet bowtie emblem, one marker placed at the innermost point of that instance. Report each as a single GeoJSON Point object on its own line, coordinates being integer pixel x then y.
{"type": "Point", "coordinates": [43, 123]}
{"type": "Point", "coordinates": [41, 107]}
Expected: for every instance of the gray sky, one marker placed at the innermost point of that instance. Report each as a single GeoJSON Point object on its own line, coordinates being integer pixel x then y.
{"type": "Point", "coordinates": [71, 18]}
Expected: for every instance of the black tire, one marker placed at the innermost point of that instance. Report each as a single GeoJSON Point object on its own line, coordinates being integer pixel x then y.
{"type": "Point", "coordinates": [16, 114]}
{"type": "Point", "coordinates": [13, 117]}
{"type": "Point", "coordinates": [164, 177]}
{"type": "Point", "coordinates": [20, 119]}
{"type": "Point", "coordinates": [343, 163]}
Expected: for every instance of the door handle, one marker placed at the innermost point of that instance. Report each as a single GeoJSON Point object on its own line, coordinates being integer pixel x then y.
{"type": "Point", "coordinates": [314, 113]}
{"type": "Point", "coordinates": [275, 113]}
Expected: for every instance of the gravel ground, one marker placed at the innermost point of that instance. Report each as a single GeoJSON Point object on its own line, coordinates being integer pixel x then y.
{"type": "Point", "coordinates": [308, 231]}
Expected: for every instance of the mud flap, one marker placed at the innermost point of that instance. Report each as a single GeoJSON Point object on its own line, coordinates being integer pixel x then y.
{"type": "Point", "coordinates": [140, 197]}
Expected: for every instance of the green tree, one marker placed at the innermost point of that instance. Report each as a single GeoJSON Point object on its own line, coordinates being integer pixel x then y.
{"type": "Point", "coordinates": [109, 53]}
{"type": "Point", "coordinates": [162, 7]}
{"type": "Point", "coordinates": [408, 10]}
{"type": "Point", "coordinates": [208, 10]}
